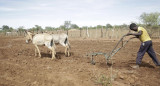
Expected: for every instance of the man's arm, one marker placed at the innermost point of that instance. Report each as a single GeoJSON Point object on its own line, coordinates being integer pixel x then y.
{"type": "Point", "coordinates": [135, 34]}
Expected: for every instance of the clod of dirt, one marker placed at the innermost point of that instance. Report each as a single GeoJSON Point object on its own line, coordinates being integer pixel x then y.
{"type": "Point", "coordinates": [122, 75]}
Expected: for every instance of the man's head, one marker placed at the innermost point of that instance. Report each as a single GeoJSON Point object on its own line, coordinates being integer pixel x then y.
{"type": "Point", "coordinates": [133, 27]}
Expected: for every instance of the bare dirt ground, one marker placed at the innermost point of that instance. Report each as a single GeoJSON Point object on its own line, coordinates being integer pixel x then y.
{"type": "Point", "coordinates": [19, 66]}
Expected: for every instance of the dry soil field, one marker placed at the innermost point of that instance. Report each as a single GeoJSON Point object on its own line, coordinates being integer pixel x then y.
{"type": "Point", "coordinates": [19, 66]}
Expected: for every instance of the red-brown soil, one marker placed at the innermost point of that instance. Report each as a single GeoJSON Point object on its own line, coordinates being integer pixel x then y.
{"type": "Point", "coordinates": [19, 66]}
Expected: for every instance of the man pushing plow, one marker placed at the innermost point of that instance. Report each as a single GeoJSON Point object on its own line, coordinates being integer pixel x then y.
{"type": "Point", "coordinates": [146, 45]}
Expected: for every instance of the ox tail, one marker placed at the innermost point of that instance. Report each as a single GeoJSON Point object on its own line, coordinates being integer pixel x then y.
{"type": "Point", "coordinates": [51, 44]}
{"type": "Point", "coordinates": [66, 42]}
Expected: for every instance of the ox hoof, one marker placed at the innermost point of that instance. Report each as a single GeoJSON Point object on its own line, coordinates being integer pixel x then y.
{"type": "Point", "coordinates": [53, 59]}
{"type": "Point", "coordinates": [67, 55]}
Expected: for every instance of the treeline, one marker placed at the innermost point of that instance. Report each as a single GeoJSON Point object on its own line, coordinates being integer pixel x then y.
{"type": "Point", "coordinates": [66, 26]}
{"type": "Point", "coordinates": [148, 20]}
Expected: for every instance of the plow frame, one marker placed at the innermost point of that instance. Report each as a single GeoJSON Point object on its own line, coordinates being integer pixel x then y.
{"type": "Point", "coordinates": [108, 56]}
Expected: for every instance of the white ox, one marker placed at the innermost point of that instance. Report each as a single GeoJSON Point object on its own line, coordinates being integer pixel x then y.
{"type": "Point", "coordinates": [58, 39]}
{"type": "Point", "coordinates": [44, 39]}
{"type": "Point", "coordinates": [63, 40]}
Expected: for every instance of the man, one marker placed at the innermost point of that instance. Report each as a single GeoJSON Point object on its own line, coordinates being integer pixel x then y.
{"type": "Point", "coordinates": [146, 45]}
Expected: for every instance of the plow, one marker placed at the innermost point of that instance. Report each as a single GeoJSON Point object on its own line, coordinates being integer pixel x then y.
{"type": "Point", "coordinates": [108, 56]}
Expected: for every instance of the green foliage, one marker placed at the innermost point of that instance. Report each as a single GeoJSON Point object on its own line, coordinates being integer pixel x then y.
{"type": "Point", "coordinates": [103, 80]}
{"type": "Point", "coordinates": [155, 27]}
{"type": "Point", "coordinates": [48, 28]}
{"type": "Point", "coordinates": [21, 29]}
{"type": "Point", "coordinates": [74, 26]}
{"type": "Point", "coordinates": [84, 27]}
{"type": "Point", "coordinates": [99, 26]}
{"type": "Point", "coordinates": [62, 27]}
{"type": "Point", "coordinates": [0, 29]}
{"type": "Point", "coordinates": [150, 19]}
{"type": "Point", "coordinates": [36, 28]}
{"type": "Point", "coordinates": [67, 24]}
{"type": "Point", "coordinates": [117, 26]}
{"type": "Point", "coordinates": [124, 26]}
{"type": "Point", "coordinates": [7, 28]}
{"type": "Point", "coordinates": [32, 29]}
{"type": "Point", "coordinates": [10, 29]}
{"type": "Point", "coordinates": [109, 26]}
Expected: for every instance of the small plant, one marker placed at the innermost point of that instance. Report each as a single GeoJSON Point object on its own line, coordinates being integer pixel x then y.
{"type": "Point", "coordinates": [104, 80]}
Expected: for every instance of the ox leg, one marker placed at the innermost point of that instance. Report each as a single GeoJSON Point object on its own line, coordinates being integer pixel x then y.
{"type": "Point", "coordinates": [53, 53]}
{"type": "Point", "coordinates": [38, 51]}
{"type": "Point", "coordinates": [65, 51]}
{"type": "Point", "coordinates": [35, 52]}
{"type": "Point", "coordinates": [68, 51]}
{"type": "Point", "coordinates": [54, 49]}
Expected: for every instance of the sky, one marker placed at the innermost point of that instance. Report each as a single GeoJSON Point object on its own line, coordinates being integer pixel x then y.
{"type": "Point", "coordinates": [28, 13]}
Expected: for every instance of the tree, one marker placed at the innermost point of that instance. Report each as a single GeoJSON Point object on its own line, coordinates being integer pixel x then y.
{"type": "Point", "coordinates": [32, 29]}
{"type": "Point", "coordinates": [84, 27]}
{"type": "Point", "coordinates": [74, 26]}
{"type": "Point", "coordinates": [21, 29]}
{"type": "Point", "coordinates": [150, 19]}
{"type": "Point", "coordinates": [5, 27]}
{"type": "Point", "coordinates": [67, 24]}
{"type": "Point", "coordinates": [99, 26]}
{"type": "Point", "coordinates": [117, 26]}
{"type": "Point", "coordinates": [10, 29]}
{"type": "Point", "coordinates": [49, 28]}
{"type": "Point", "coordinates": [109, 26]}
{"type": "Point", "coordinates": [124, 26]}
{"type": "Point", "coordinates": [37, 27]}
{"type": "Point", "coordinates": [62, 27]}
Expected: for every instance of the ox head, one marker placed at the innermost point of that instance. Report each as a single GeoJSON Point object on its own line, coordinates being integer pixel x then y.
{"type": "Point", "coordinates": [29, 37]}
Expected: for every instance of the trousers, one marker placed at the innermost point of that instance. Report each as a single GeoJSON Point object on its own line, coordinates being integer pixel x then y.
{"type": "Point", "coordinates": [147, 47]}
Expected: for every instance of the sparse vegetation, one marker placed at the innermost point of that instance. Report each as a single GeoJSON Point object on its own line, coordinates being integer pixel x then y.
{"type": "Point", "coordinates": [104, 80]}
